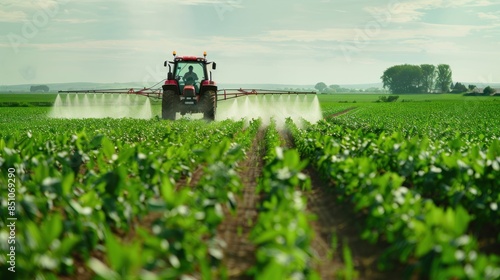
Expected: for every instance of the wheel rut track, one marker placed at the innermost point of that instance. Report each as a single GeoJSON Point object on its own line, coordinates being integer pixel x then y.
{"type": "Point", "coordinates": [341, 113]}
{"type": "Point", "coordinates": [239, 254]}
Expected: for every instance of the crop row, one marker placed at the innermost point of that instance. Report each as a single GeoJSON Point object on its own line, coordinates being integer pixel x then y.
{"type": "Point", "coordinates": [78, 193]}
{"type": "Point", "coordinates": [448, 172]}
{"type": "Point", "coordinates": [416, 195]}
{"type": "Point", "coordinates": [282, 232]}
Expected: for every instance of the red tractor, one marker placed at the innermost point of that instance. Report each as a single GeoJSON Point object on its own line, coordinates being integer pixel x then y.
{"type": "Point", "coordinates": [189, 87]}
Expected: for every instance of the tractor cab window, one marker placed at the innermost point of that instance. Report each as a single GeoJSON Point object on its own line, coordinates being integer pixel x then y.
{"type": "Point", "coordinates": [189, 73]}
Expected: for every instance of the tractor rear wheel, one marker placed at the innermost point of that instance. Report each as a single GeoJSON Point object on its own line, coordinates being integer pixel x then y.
{"type": "Point", "coordinates": [170, 104]}
{"type": "Point", "coordinates": [207, 105]}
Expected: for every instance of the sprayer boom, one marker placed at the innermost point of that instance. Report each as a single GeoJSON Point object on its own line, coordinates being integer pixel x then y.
{"type": "Point", "coordinates": [148, 92]}
{"type": "Point", "coordinates": [225, 94]}
{"type": "Point", "coordinates": [222, 94]}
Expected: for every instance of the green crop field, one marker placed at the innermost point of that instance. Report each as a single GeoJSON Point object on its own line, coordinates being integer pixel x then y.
{"type": "Point", "coordinates": [27, 97]}
{"type": "Point", "coordinates": [374, 190]}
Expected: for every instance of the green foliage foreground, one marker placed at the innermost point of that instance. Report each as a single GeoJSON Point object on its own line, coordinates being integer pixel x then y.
{"type": "Point", "coordinates": [423, 174]}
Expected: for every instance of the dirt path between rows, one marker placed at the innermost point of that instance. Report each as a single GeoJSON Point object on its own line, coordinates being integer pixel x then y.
{"type": "Point", "coordinates": [239, 255]}
{"type": "Point", "coordinates": [340, 113]}
{"type": "Point", "coordinates": [338, 219]}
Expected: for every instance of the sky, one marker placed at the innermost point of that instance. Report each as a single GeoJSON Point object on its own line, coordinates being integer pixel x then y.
{"type": "Point", "coordinates": [253, 41]}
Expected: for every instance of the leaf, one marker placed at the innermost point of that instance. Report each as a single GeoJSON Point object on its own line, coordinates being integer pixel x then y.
{"type": "Point", "coordinates": [267, 236]}
{"type": "Point", "coordinates": [167, 190]}
{"type": "Point", "coordinates": [126, 155]}
{"type": "Point", "coordinates": [95, 143]}
{"type": "Point", "coordinates": [424, 245]}
{"type": "Point", "coordinates": [67, 183]}
{"type": "Point", "coordinates": [85, 211]}
{"type": "Point", "coordinates": [107, 147]}
{"type": "Point", "coordinates": [174, 261]}
{"type": "Point", "coordinates": [216, 253]}
{"type": "Point", "coordinates": [114, 251]}
{"type": "Point", "coordinates": [102, 270]}
{"type": "Point", "coordinates": [272, 271]}
{"type": "Point", "coordinates": [52, 228]}
{"type": "Point", "coordinates": [462, 219]}
{"type": "Point", "coordinates": [67, 244]}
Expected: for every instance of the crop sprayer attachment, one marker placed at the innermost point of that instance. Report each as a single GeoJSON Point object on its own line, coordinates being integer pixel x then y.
{"type": "Point", "coordinates": [189, 88]}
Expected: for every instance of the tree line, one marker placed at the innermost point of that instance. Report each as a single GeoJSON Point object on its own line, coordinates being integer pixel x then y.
{"type": "Point", "coordinates": [424, 78]}
{"type": "Point", "coordinates": [43, 88]}
{"type": "Point", "coordinates": [321, 87]}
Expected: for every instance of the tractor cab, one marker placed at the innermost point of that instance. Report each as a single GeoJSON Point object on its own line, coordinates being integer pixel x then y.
{"type": "Point", "coordinates": [189, 87]}
{"type": "Point", "coordinates": [189, 72]}
{"type": "Point", "coordinates": [189, 75]}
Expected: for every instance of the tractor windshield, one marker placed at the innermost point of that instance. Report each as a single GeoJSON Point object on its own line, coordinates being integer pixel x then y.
{"type": "Point", "coordinates": [190, 72]}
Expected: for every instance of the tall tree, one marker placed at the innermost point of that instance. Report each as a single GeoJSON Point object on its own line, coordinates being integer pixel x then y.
{"type": "Point", "coordinates": [403, 79]}
{"type": "Point", "coordinates": [320, 86]}
{"type": "Point", "coordinates": [488, 90]}
{"type": "Point", "coordinates": [459, 88]}
{"type": "Point", "coordinates": [443, 80]}
{"type": "Point", "coordinates": [428, 77]}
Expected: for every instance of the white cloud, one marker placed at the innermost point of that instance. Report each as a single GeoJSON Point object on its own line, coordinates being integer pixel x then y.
{"type": "Point", "coordinates": [371, 33]}
{"type": "Point", "coordinates": [402, 11]}
{"type": "Point", "coordinates": [492, 16]}
{"type": "Point", "coordinates": [233, 3]}
{"type": "Point", "coordinates": [75, 20]}
{"type": "Point", "coordinates": [222, 45]}
{"type": "Point", "coordinates": [21, 11]}
{"type": "Point", "coordinates": [15, 5]}
{"type": "Point", "coordinates": [16, 16]}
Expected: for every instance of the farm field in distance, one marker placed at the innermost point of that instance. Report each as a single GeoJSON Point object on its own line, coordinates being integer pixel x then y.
{"type": "Point", "coordinates": [396, 190]}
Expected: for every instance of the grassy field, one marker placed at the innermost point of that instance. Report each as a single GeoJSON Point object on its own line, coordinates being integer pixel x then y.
{"type": "Point", "coordinates": [372, 97]}
{"type": "Point", "coordinates": [27, 97]}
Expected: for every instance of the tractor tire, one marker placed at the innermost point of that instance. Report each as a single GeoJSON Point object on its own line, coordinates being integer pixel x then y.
{"type": "Point", "coordinates": [207, 105]}
{"type": "Point", "coordinates": [169, 105]}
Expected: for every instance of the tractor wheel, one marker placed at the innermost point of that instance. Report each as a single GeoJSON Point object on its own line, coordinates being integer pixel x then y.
{"type": "Point", "coordinates": [170, 105]}
{"type": "Point", "coordinates": [207, 105]}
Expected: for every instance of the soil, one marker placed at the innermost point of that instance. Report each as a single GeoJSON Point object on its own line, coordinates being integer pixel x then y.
{"type": "Point", "coordinates": [239, 254]}
{"type": "Point", "coordinates": [338, 219]}
{"type": "Point", "coordinates": [340, 113]}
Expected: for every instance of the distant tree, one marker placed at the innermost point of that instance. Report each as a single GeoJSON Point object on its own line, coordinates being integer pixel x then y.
{"type": "Point", "coordinates": [373, 89]}
{"type": "Point", "coordinates": [459, 88]}
{"type": "Point", "coordinates": [391, 98]}
{"type": "Point", "coordinates": [43, 88]}
{"type": "Point", "coordinates": [443, 79]}
{"type": "Point", "coordinates": [334, 87]}
{"type": "Point", "coordinates": [320, 86]}
{"type": "Point", "coordinates": [471, 87]}
{"type": "Point", "coordinates": [488, 90]}
{"type": "Point", "coordinates": [428, 77]}
{"type": "Point", "coordinates": [403, 79]}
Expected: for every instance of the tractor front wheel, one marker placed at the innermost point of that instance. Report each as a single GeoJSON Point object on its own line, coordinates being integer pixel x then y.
{"type": "Point", "coordinates": [170, 104]}
{"type": "Point", "coordinates": [207, 105]}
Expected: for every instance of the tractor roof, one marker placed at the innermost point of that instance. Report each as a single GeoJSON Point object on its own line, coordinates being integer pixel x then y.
{"type": "Point", "coordinates": [190, 58]}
